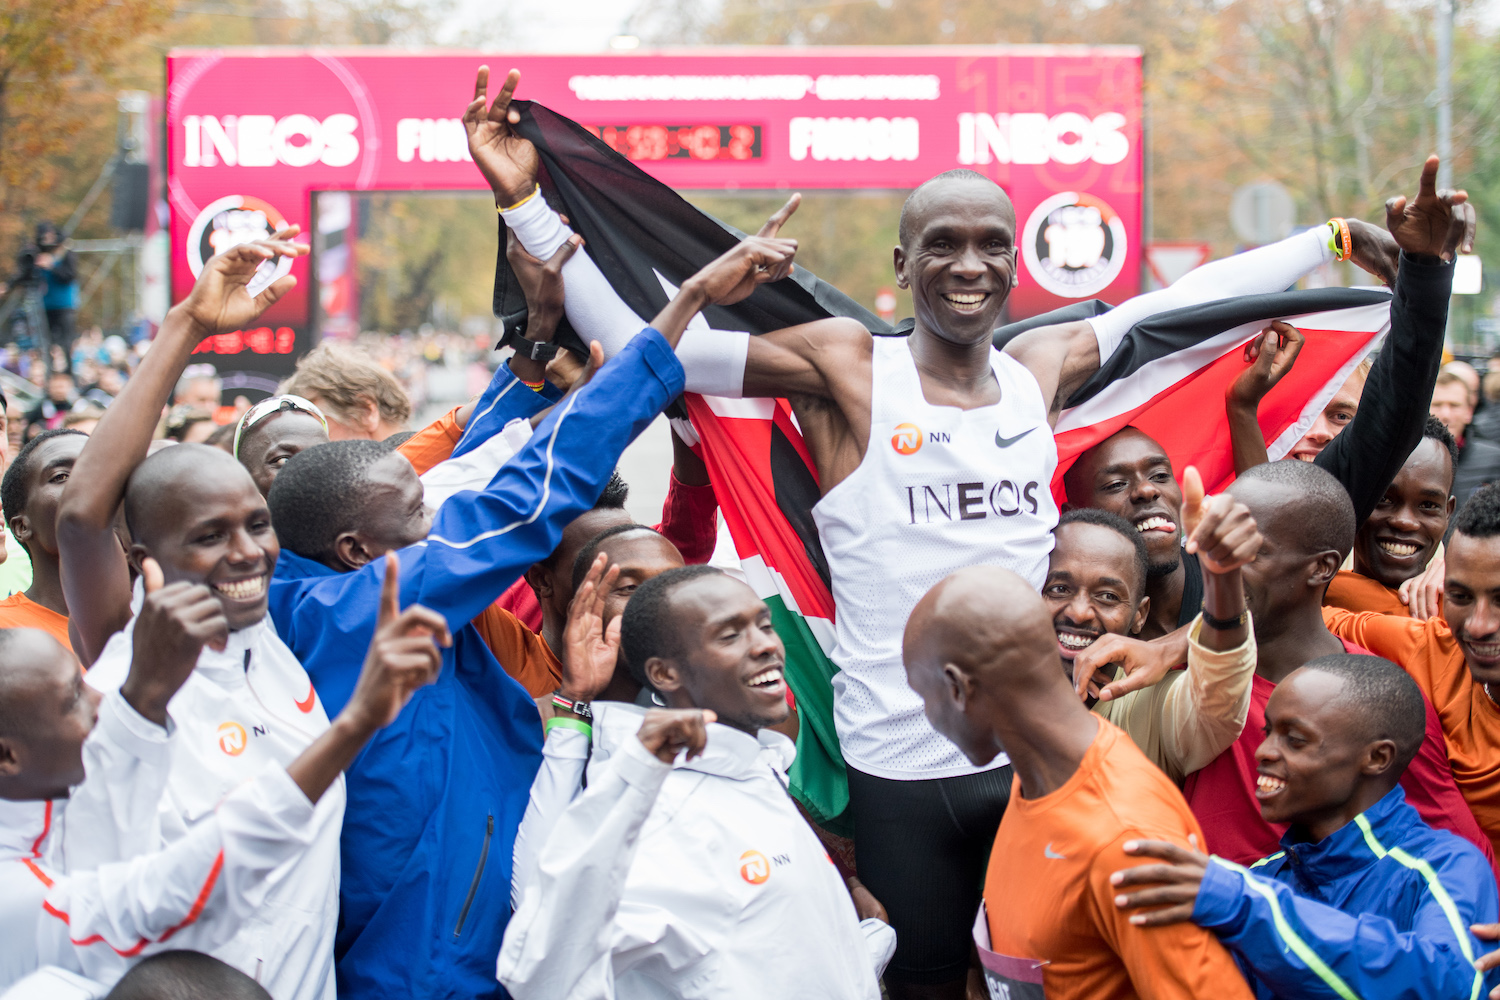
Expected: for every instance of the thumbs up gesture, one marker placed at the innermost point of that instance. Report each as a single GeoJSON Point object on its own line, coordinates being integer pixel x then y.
{"type": "Point", "coordinates": [175, 622]}
{"type": "Point", "coordinates": [403, 656]}
{"type": "Point", "coordinates": [1219, 530]}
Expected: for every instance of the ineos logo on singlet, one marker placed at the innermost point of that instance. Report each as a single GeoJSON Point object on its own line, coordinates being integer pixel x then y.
{"type": "Point", "coordinates": [907, 440]}
{"type": "Point", "coordinates": [970, 501]}
{"type": "Point", "coordinates": [232, 738]}
{"type": "Point", "coordinates": [754, 868]}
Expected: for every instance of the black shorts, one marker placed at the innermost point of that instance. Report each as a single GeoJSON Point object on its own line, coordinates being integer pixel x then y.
{"type": "Point", "coordinates": [922, 847]}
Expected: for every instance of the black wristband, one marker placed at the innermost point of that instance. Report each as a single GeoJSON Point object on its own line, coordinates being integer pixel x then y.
{"type": "Point", "coordinates": [535, 350]}
{"type": "Point", "coordinates": [1225, 624]}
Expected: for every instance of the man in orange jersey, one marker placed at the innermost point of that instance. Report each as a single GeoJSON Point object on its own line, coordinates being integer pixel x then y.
{"type": "Point", "coordinates": [1455, 658]}
{"type": "Point", "coordinates": [981, 651]}
{"type": "Point", "coordinates": [29, 494]}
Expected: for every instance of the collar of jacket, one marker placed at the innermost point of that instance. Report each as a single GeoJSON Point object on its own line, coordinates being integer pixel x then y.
{"type": "Point", "coordinates": [730, 753]}
{"type": "Point", "coordinates": [1356, 844]}
{"type": "Point", "coordinates": [291, 566]}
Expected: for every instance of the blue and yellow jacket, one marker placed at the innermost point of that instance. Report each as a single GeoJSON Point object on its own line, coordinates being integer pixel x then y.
{"type": "Point", "coordinates": [437, 796]}
{"type": "Point", "coordinates": [1379, 909]}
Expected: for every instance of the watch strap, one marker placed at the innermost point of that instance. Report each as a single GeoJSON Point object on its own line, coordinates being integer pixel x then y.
{"type": "Point", "coordinates": [1225, 624]}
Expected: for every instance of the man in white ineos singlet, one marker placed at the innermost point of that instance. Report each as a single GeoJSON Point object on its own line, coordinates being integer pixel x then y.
{"type": "Point", "coordinates": [934, 452]}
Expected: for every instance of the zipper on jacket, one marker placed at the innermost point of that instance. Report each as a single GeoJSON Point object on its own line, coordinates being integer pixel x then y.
{"type": "Point", "coordinates": [484, 853]}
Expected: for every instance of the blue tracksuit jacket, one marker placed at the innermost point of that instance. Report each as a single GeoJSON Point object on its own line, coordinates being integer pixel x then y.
{"type": "Point", "coordinates": [435, 799]}
{"type": "Point", "coordinates": [1380, 909]}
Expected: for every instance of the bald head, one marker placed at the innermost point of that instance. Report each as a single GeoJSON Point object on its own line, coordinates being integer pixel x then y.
{"type": "Point", "coordinates": [158, 485]}
{"type": "Point", "coordinates": [967, 185]}
{"type": "Point", "coordinates": [981, 651]}
{"type": "Point", "coordinates": [46, 712]}
{"type": "Point", "coordinates": [186, 975]}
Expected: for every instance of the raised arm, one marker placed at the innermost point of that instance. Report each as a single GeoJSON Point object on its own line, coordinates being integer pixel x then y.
{"type": "Point", "coordinates": [96, 581]}
{"type": "Point", "coordinates": [1063, 357]}
{"type": "Point", "coordinates": [1430, 230]}
{"type": "Point", "coordinates": [1204, 712]}
{"type": "Point", "coordinates": [1270, 356]}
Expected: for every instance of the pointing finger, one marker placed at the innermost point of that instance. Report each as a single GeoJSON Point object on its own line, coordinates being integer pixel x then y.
{"type": "Point", "coordinates": [390, 587]}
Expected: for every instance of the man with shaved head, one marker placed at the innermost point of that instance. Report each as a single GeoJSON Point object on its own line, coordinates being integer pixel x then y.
{"type": "Point", "coordinates": [934, 451]}
{"type": "Point", "coordinates": [981, 652]}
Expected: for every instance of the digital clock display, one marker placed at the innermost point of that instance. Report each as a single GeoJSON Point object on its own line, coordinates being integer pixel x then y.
{"type": "Point", "coordinates": [682, 142]}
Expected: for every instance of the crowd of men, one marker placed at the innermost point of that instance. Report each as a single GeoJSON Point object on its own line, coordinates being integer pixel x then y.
{"type": "Point", "coordinates": [325, 707]}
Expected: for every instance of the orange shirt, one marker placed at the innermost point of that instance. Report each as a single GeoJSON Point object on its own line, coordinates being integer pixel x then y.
{"type": "Point", "coordinates": [1471, 721]}
{"type": "Point", "coordinates": [1051, 907]}
{"type": "Point", "coordinates": [1355, 592]}
{"type": "Point", "coordinates": [20, 611]}
{"type": "Point", "coordinates": [433, 443]}
{"type": "Point", "coordinates": [521, 652]}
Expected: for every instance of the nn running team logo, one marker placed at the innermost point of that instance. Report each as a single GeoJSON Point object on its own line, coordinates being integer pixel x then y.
{"type": "Point", "coordinates": [232, 739]}
{"type": "Point", "coordinates": [907, 439]}
{"type": "Point", "coordinates": [754, 868]}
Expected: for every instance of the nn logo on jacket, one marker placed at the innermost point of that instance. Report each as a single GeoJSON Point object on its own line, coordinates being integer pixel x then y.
{"type": "Point", "coordinates": [907, 440]}
{"type": "Point", "coordinates": [754, 867]}
{"type": "Point", "coordinates": [232, 738]}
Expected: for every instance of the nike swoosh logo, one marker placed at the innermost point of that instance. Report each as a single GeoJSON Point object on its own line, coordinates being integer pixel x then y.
{"type": "Point", "coordinates": [311, 700]}
{"type": "Point", "coordinates": [1001, 442]}
{"type": "Point", "coordinates": [1049, 852]}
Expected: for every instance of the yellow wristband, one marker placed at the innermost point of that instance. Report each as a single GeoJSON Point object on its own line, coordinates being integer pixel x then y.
{"type": "Point", "coordinates": [511, 208]}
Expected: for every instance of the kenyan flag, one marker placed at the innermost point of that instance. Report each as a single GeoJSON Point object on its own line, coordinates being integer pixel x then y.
{"type": "Point", "coordinates": [1168, 377]}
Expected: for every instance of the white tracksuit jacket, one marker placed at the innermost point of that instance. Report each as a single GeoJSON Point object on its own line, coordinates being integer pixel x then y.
{"type": "Point", "coordinates": [194, 894]}
{"type": "Point", "coordinates": [240, 714]}
{"type": "Point", "coordinates": [699, 879]}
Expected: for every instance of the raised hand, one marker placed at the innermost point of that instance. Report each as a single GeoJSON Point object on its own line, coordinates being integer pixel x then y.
{"type": "Point", "coordinates": [590, 649]}
{"type": "Point", "coordinates": [403, 656]}
{"type": "Point", "coordinates": [1177, 882]}
{"type": "Point", "coordinates": [1271, 356]}
{"type": "Point", "coordinates": [773, 225]}
{"type": "Point", "coordinates": [541, 282]}
{"type": "Point", "coordinates": [1436, 223]}
{"type": "Point", "coordinates": [666, 732]}
{"type": "Point", "coordinates": [220, 299]}
{"type": "Point", "coordinates": [753, 261]}
{"type": "Point", "coordinates": [508, 162]}
{"type": "Point", "coordinates": [1219, 530]}
{"type": "Point", "coordinates": [175, 622]}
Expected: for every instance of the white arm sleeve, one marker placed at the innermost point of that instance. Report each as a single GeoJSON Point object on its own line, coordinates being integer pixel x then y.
{"type": "Point", "coordinates": [713, 360]}
{"type": "Point", "coordinates": [113, 815]}
{"type": "Point", "coordinates": [1272, 268]}
{"type": "Point", "coordinates": [195, 893]}
{"type": "Point", "coordinates": [565, 754]}
{"type": "Point", "coordinates": [559, 945]}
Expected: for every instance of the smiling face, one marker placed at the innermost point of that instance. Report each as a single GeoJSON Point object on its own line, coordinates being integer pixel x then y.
{"type": "Point", "coordinates": [208, 524]}
{"type": "Point", "coordinates": [265, 448]}
{"type": "Point", "coordinates": [731, 660]}
{"type": "Point", "coordinates": [960, 259]}
{"type": "Point", "coordinates": [1336, 415]}
{"type": "Point", "coordinates": [50, 712]}
{"type": "Point", "coordinates": [1129, 474]}
{"type": "Point", "coordinates": [1313, 760]}
{"type": "Point", "coordinates": [1402, 533]}
{"type": "Point", "coordinates": [1471, 602]}
{"type": "Point", "coordinates": [50, 467]}
{"type": "Point", "coordinates": [1093, 587]}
